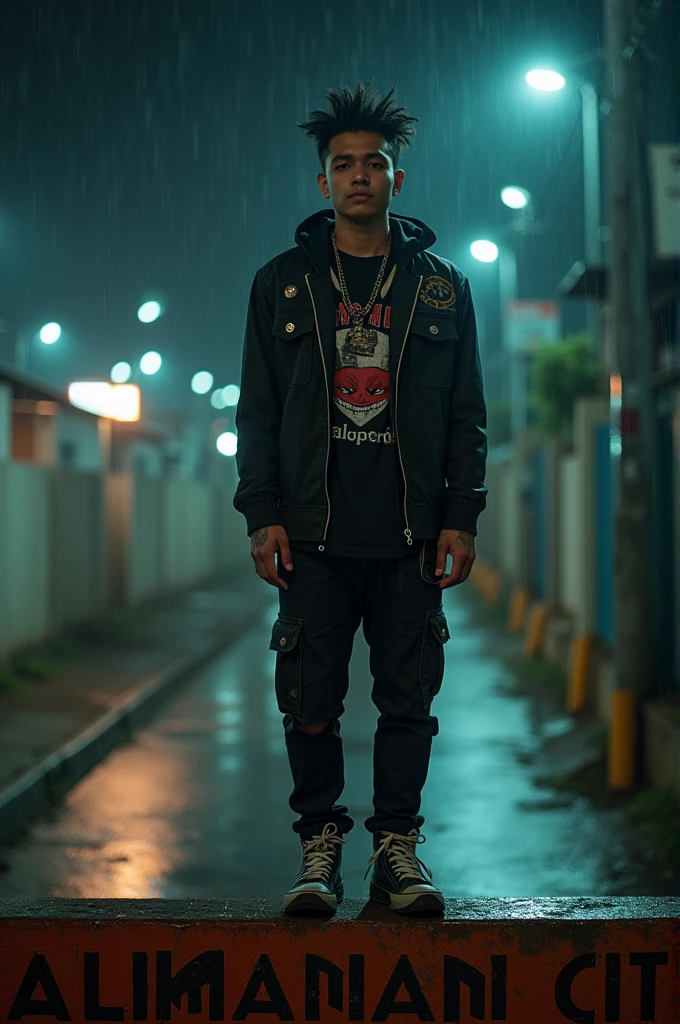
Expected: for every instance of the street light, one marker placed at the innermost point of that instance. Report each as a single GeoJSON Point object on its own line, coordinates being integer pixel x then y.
{"type": "Point", "coordinates": [227, 443]}
{"type": "Point", "coordinates": [514, 197]}
{"type": "Point", "coordinates": [488, 252]}
{"type": "Point", "coordinates": [50, 333]}
{"type": "Point", "coordinates": [551, 81]}
{"type": "Point", "coordinates": [484, 251]}
{"type": "Point", "coordinates": [121, 372]}
{"type": "Point", "coordinates": [150, 363]}
{"type": "Point", "coordinates": [231, 394]}
{"type": "Point", "coordinates": [217, 399]}
{"type": "Point", "coordinates": [546, 81]}
{"type": "Point", "coordinates": [202, 382]}
{"type": "Point", "coordinates": [149, 311]}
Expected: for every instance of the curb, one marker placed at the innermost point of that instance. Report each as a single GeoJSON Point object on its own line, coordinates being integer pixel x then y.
{"type": "Point", "coordinates": [51, 778]}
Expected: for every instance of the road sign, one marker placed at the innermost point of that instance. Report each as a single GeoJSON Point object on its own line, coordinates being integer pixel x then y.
{"type": "Point", "coordinates": [530, 323]}
{"type": "Point", "coordinates": [665, 181]}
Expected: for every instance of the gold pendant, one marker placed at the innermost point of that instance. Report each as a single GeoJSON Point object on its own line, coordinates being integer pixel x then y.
{"type": "Point", "coordinates": [361, 341]}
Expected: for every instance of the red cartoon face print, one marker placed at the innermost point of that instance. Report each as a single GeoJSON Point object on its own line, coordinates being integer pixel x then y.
{"type": "Point", "coordinates": [361, 392]}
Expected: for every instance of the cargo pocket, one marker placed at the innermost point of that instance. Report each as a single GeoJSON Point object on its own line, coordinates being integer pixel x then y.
{"type": "Point", "coordinates": [289, 671]}
{"type": "Point", "coordinates": [432, 656]}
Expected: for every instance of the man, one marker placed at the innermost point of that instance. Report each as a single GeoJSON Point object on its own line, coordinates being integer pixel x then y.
{"type": "Point", "coordinates": [361, 457]}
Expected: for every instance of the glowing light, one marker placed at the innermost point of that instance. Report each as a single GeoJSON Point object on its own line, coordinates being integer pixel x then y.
{"type": "Point", "coordinates": [120, 373]}
{"type": "Point", "coordinates": [149, 311]}
{"type": "Point", "coordinates": [515, 198]}
{"type": "Point", "coordinates": [150, 363]}
{"type": "Point", "coordinates": [50, 333]}
{"type": "Point", "coordinates": [202, 382]}
{"type": "Point", "coordinates": [231, 394]}
{"type": "Point", "coordinates": [120, 402]}
{"type": "Point", "coordinates": [545, 81]}
{"type": "Point", "coordinates": [227, 443]}
{"type": "Point", "coordinates": [484, 251]}
{"type": "Point", "coordinates": [217, 399]}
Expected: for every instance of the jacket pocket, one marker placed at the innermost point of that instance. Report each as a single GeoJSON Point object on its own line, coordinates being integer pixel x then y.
{"type": "Point", "coordinates": [293, 331]}
{"type": "Point", "coordinates": [433, 350]}
{"type": "Point", "coordinates": [431, 673]}
{"type": "Point", "coordinates": [289, 671]}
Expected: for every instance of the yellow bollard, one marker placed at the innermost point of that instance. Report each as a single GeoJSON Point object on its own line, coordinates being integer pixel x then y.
{"type": "Point", "coordinates": [493, 588]}
{"type": "Point", "coordinates": [579, 667]}
{"type": "Point", "coordinates": [518, 604]}
{"type": "Point", "coordinates": [534, 635]}
{"type": "Point", "coordinates": [622, 741]}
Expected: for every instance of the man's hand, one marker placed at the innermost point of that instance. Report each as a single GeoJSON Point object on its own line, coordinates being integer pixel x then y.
{"type": "Point", "coordinates": [461, 546]}
{"type": "Point", "coordinates": [264, 543]}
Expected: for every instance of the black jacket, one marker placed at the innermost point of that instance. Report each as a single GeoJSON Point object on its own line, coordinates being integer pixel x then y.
{"type": "Point", "coordinates": [437, 407]}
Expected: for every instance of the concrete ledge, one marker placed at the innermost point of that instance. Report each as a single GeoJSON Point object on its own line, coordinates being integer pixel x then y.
{"type": "Point", "coordinates": [63, 768]}
{"type": "Point", "coordinates": [523, 961]}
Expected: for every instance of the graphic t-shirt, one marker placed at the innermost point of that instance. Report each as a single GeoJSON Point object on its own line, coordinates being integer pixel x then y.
{"type": "Point", "coordinates": [365, 480]}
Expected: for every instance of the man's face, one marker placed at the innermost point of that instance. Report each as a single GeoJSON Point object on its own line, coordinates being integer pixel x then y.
{"type": "Point", "coordinates": [358, 162]}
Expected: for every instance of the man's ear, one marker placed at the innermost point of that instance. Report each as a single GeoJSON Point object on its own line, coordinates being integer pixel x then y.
{"type": "Point", "coordinates": [322, 182]}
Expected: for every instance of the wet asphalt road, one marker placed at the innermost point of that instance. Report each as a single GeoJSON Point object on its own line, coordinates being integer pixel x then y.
{"type": "Point", "coordinates": [197, 805]}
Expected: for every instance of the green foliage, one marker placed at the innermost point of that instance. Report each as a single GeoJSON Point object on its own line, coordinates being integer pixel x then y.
{"type": "Point", "coordinates": [657, 813]}
{"type": "Point", "coordinates": [561, 372]}
{"type": "Point", "coordinates": [8, 680]}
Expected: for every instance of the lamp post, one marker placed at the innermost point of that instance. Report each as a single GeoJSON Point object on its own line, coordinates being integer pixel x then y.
{"type": "Point", "coordinates": [488, 252]}
{"type": "Point", "coordinates": [48, 334]}
{"type": "Point", "coordinates": [551, 81]}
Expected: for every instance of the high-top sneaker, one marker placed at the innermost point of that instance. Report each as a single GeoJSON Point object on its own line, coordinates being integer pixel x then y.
{"type": "Point", "coordinates": [399, 877]}
{"type": "Point", "coordinates": [318, 887]}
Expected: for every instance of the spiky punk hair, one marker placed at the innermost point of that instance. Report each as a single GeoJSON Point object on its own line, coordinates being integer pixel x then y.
{"type": "Point", "coordinates": [360, 111]}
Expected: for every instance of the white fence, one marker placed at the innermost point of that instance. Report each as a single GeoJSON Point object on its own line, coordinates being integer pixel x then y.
{"type": "Point", "coordinates": [73, 543]}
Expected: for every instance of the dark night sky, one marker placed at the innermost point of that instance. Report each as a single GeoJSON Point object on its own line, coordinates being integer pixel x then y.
{"type": "Point", "coordinates": [151, 145]}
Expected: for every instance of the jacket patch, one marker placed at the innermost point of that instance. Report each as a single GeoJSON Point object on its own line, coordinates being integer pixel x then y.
{"type": "Point", "coordinates": [437, 292]}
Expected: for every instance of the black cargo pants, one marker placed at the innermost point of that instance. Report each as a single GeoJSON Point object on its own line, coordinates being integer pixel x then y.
{"type": "Point", "coordinates": [399, 602]}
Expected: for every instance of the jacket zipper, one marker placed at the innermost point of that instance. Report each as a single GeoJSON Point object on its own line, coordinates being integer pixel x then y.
{"type": "Point", "coordinates": [328, 412]}
{"type": "Point", "coordinates": [407, 531]}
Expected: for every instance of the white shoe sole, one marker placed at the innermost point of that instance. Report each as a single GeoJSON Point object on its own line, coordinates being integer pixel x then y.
{"type": "Point", "coordinates": [306, 902]}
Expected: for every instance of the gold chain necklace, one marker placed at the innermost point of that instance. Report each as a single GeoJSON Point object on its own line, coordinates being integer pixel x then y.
{"type": "Point", "coordinates": [360, 340]}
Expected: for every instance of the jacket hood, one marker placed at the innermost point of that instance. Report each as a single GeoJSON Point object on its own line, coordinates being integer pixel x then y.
{"type": "Point", "coordinates": [409, 237]}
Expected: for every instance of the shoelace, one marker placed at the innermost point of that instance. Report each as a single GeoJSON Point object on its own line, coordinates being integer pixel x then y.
{"type": "Point", "coordinates": [319, 852]}
{"type": "Point", "coordinates": [401, 853]}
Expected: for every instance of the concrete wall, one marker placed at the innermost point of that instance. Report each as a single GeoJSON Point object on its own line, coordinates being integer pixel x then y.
{"type": "Point", "coordinates": [73, 543]}
{"type": "Point", "coordinates": [5, 422]}
{"type": "Point", "coordinates": [25, 574]}
{"type": "Point", "coordinates": [507, 528]}
{"type": "Point", "coordinates": [576, 530]}
{"type": "Point", "coordinates": [170, 532]}
{"type": "Point", "coordinates": [500, 525]}
{"type": "Point", "coordinates": [80, 571]}
{"type": "Point", "coordinates": [572, 579]}
{"type": "Point", "coordinates": [78, 445]}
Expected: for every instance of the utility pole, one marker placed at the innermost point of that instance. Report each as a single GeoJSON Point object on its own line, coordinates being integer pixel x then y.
{"type": "Point", "coordinates": [629, 321]}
